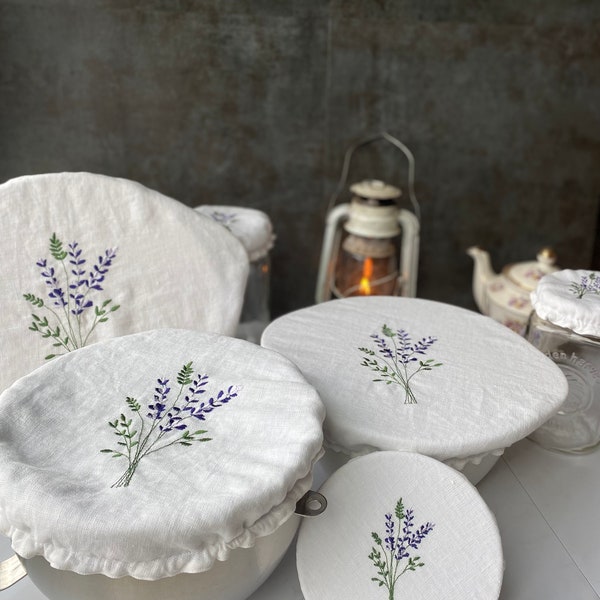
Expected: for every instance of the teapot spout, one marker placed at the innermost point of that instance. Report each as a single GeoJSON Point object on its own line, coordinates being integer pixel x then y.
{"type": "Point", "coordinates": [482, 275]}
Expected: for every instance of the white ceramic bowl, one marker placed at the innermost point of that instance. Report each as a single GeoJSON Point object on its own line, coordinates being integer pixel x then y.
{"type": "Point", "coordinates": [234, 579]}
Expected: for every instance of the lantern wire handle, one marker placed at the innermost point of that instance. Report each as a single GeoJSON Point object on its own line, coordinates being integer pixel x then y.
{"type": "Point", "coordinates": [364, 142]}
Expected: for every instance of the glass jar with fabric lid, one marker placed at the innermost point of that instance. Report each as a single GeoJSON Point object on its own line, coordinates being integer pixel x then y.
{"type": "Point", "coordinates": [565, 325]}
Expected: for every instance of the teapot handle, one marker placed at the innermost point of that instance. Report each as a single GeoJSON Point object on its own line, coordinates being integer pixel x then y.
{"type": "Point", "coordinates": [11, 571]}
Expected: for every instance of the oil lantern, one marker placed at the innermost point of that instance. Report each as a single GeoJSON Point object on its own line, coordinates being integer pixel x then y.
{"type": "Point", "coordinates": [371, 245]}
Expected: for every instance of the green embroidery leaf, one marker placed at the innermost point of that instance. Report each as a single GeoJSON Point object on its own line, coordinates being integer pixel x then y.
{"type": "Point", "coordinates": [184, 375]}
{"type": "Point", "coordinates": [399, 511]}
{"type": "Point", "coordinates": [33, 299]}
{"type": "Point", "coordinates": [376, 538]}
{"type": "Point", "coordinates": [387, 332]}
{"type": "Point", "coordinates": [56, 248]}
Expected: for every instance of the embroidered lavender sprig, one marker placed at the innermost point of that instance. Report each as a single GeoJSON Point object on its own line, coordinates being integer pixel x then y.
{"type": "Point", "coordinates": [164, 423]}
{"type": "Point", "coordinates": [70, 303]}
{"type": "Point", "coordinates": [397, 357]}
{"type": "Point", "coordinates": [224, 219]}
{"type": "Point", "coordinates": [400, 540]}
{"type": "Point", "coordinates": [588, 284]}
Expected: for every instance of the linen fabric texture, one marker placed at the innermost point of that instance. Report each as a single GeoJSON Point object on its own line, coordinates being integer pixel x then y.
{"type": "Point", "coordinates": [484, 388]}
{"type": "Point", "coordinates": [159, 261]}
{"type": "Point", "coordinates": [446, 530]}
{"type": "Point", "coordinates": [570, 299]}
{"type": "Point", "coordinates": [186, 504]}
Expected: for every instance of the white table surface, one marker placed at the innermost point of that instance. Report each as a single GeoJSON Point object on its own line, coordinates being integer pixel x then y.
{"type": "Point", "coordinates": [548, 511]}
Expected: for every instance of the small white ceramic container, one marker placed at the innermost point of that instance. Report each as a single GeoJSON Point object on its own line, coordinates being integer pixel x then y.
{"type": "Point", "coordinates": [421, 376]}
{"type": "Point", "coordinates": [157, 465]}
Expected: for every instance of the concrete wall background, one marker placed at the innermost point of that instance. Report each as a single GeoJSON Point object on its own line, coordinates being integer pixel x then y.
{"type": "Point", "coordinates": [254, 103]}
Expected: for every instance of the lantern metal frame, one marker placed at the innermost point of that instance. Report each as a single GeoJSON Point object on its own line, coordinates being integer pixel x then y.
{"type": "Point", "coordinates": [408, 221]}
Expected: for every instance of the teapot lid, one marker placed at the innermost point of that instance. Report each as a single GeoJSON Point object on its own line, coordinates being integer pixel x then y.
{"type": "Point", "coordinates": [400, 525]}
{"type": "Point", "coordinates": [527, 274]}
{"type": "Point", "coordinates": [570, 299]}
{"type": "Point", "coordinates": [154, 454]}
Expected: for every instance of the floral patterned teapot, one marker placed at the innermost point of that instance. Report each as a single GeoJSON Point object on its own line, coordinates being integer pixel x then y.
{"type": "Point", "coordinates": [505, 296]}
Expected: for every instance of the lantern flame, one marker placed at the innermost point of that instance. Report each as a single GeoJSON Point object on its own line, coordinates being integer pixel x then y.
{"type": "Point", "coordinates": [364, 287]}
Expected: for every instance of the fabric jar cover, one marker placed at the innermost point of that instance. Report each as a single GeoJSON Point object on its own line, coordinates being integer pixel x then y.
{"type": "Point", "coordinates": [570, 299]}
{"type": "Point", "coordinates": [417, 375]}
{"type": "Point", "coordinates": [400, 525]}
{"type": "Point", "coordinates": [115, 244]}
{"type": "Point", "coordinates": [228, 433]}
{"type": "Point", "coordinates": [250, 226]}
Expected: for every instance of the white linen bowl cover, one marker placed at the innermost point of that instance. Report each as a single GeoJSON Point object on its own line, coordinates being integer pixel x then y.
{"type": "Point", "coordinates": [570, 299]}
{"type": "Point", "coordinates": [90, 257]}
{"type": "Point", "coordinates": [251, 226]}
{"type": "Point", "coordinates": [400, 525]}
{"type": "Point", "coordinates": [154, 454]}
{"type": "Point", "coordinates": [416, 375]}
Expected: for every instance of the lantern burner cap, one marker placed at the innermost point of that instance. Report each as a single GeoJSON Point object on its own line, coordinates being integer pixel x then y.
{"type": "Point", "coordinates": [374, 191]}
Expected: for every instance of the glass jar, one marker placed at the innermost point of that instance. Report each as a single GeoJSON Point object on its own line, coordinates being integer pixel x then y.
{"type": "Point", "coordinates": [565, 325]}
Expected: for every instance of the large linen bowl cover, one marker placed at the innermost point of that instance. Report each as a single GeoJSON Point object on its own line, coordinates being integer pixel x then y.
{"type": "Point", "coordinates": [154, 454]}
{"type": "Point", "coordinates": [400, 525]}
{"type": "Point", "coordinates": [412, 374]}
{"type": "Point", "coordinates": [89, 257]}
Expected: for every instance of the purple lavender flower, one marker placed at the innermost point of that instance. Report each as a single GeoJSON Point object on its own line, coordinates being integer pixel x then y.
{"type": "Point", "coordinates": [390, 540]}
{"type": "Point", "coordinates": [71, 329]}
{"type": "Point", "coordinates": [157, 408]}
{"type": "Point", "coordinates": [55, 292]}
{"type": "Point", "coordinates": [98, 272]}
{"type": "Point", "coordinates": [224, 219]}
{"type": "Point", "coordinates": [165, 416]}
{"type": "Point", "coordinates": [204, 408]}
{"type": "Point", "coordinates": [395, 357]}
{"type": "Point", "coordinates": [400, 540]}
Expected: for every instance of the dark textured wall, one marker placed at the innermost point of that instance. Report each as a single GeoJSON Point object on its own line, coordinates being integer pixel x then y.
{"type": "Point", "coordinates": [254, 103]}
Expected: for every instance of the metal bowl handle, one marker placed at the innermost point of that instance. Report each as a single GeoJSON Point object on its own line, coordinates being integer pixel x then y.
{"type": "Point", "coordinates": [311, 504]}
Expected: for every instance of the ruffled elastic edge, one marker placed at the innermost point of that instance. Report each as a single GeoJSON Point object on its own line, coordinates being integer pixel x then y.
{"type": "Point", "coordinates": [165, 566]}
{"type": "Point", "coordinates": [458, 463]}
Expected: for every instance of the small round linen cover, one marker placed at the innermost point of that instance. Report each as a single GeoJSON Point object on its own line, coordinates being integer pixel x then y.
{"type": "Point", "coordinates": [418, 375]}
{"type": "Point", "coordinates": [250, 226]}
{"type": "Point", "coordinates": [400, 525]}
{"type": "Point", "coordinates": [570, 299]}
{"type": "Point", "coordinates": [155, 453]}
{"type": "Point", "coordinates": [91, 257]}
